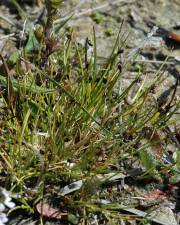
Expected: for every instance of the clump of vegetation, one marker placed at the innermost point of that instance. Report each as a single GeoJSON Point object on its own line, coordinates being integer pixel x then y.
{"type": "Point", "coordinates": [97, 17]}
{"type": "Point", "coordinates": [69, 127]}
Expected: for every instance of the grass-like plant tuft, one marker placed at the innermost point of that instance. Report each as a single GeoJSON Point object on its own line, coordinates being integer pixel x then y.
{"type": "Point", "coordinates": [66, 120]}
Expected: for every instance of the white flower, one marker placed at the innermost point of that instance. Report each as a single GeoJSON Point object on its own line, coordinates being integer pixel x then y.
{"type": "Point", "coordinates": [8, 203]}
{"type": "Point", "coordinates": [3, 219]}
{"type": "Point", "coordinates": [7, 199]}
{"type": "Point", "coordinates": [5, 192]}
{"type": "Point", "coordinates": [2, 207]}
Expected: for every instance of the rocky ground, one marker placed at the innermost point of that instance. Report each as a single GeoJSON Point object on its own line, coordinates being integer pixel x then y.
{"type": "Point", "coordinates": [138, 18]}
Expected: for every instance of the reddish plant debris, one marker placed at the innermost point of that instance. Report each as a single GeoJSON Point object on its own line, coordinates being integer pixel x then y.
{"type": "Point", "coordinates": [171, 36]}
{"type": "Point", "coordinates": [174, 37]}
{"type": "Point", "coordinates": [46, 210]}
{"type": "Point", "coordinates": [156, 195]}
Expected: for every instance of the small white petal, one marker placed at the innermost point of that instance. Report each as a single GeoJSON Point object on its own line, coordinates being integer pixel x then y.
{"type": "Point", "coordinates": [9, 204]}
{"type": "Point", "coordinates": [7, 199]}
{"type": "Point", "coordinates": [3, 218]}
{"type": "Point", "coordinates": [2, 207]}
{"type": "Point", "coordinates": [5, 192]}
{"type": "Point", "coordinates": [71, 165]}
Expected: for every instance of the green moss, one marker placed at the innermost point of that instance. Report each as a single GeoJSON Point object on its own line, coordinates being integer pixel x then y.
{"type": "Point", "coordinates": [97, 17]}
{"type": "Point", "coordinates": [109, 32]}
